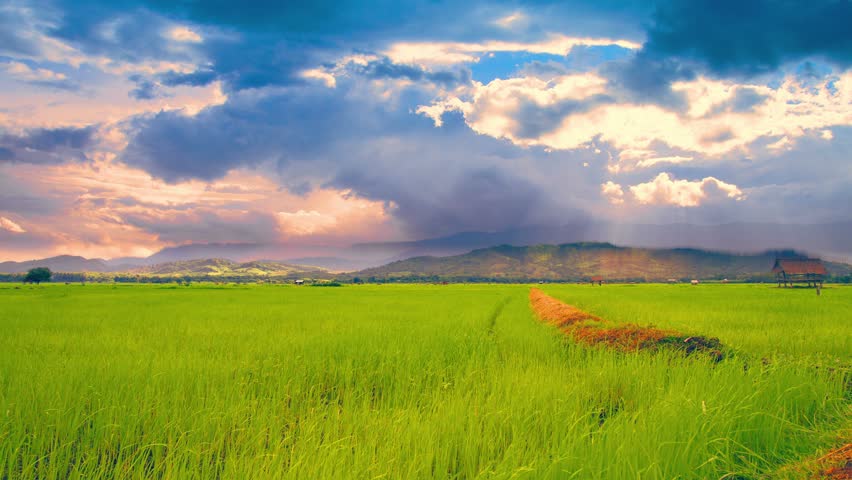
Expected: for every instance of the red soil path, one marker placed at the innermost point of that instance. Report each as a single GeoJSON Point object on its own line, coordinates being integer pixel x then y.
{"type": "Point", "coordinates": [589, 329]}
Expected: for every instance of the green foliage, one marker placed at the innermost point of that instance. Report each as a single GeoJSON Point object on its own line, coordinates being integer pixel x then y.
{"type": "Point", "coordinates": [403, 381]}
{"type": "Point", "coordinates": [38, 275]}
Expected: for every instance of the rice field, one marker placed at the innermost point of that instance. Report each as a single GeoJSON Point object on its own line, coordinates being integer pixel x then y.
{"type": "Point", "coordinates": [414, 381]}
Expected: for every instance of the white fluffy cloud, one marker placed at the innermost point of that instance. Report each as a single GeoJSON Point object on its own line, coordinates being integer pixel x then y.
{"type": "Point", "coordinates": [613, 192]}
{"type": "Point", "coordinates": [8, 225]}
{"type": "Point", "coordinates": [721, 118]}
{"type": "Point", "coordinates": [666, 190]}
{"type": "Point", "coordinates": [493, 107]}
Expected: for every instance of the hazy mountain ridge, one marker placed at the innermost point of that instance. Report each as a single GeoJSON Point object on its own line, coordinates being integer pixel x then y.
{"type": "Point", "coordinates": [828, 240]}
{"type": "Point", "coordinates": [571, 262]}
{"type": "Point", "coordinates": [61, 263]}
{"type": "Point", "coordinates": [580, 261]}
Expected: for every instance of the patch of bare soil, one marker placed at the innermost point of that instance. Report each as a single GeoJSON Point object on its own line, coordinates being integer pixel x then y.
{"type": "Point", "coordinates": [589, 329]}
{"type": "Point", "coordinates": [837, 464]}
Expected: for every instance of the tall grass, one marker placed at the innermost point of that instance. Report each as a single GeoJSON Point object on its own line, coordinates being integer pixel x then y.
{"type": "Point", "coordinates": [382, 382]}
{"type": "Point", "coordinates": [759, 319]}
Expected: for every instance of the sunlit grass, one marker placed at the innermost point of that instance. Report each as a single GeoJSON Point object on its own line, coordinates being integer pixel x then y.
{"type": "Point", "coordinates": [402, 382]}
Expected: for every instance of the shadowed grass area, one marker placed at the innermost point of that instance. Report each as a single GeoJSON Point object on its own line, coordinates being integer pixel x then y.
{"type": "Point", "coordinates": [386, 381]}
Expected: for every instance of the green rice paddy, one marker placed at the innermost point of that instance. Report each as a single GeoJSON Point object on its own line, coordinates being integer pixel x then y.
{"type": "Point", "coordinates": [413, 381]}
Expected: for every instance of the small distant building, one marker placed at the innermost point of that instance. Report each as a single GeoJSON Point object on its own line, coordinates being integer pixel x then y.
{"type": "Point", "coordinates": [694, 282]}
{"type": "Point", "coordinates": [672, 280]}
{"type": "Point", "coordinates": [799, 270]}
{"type": "Point", "coordinates": [597, 279]}
{"type": "Point", "coordinates": [299, 282]}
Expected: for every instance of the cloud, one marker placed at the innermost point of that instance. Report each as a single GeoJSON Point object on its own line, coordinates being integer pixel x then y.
{"type": "Point", "coordinates": [523, 109]}
{"type": "Point", "coordinates": [10, 226]}
{"type": "Point", "coordinates": [175, 146]}
{"type": "Point", "coordinates": [321, 75]}
{"type": "Point", "coordinates": [613, 192]}
{"type": "Point", "coordinates": [182, 33]}
{"type": "Point", "coordinates": [751, 36]}
{"type": "Point", "coordinates": [308, 124]}
{"type": "Point", "coordinates": [717, 118]}
{"type": "Point", "coordinates": [304, 222]}
{"type": "Point", "coordinates": [385, 68]}
{"type": "Point", "coordinates": [514, 19]}
{"type": "Point", "coordinates": [173, 226]}
{"type": "Point", "coordinates": [47, 145]}
{"type": "Point", "coordinates": [146, 89]}
{"type": "Point", "coordinates": [197, 78]}
{"type": "Point", "coordinates": [123, 33]}
{"type": "Point", "coordinates": [665, 190]}
{"type": "Point", "coordinates": [449, 53]}
{"type": "Point", "coordinates": [38, 76]}
{"type": "Point", "coordinates": [16, 26]}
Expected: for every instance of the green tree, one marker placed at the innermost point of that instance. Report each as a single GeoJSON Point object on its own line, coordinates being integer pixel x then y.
{"type": "Point", "coordinates": [38, 275]}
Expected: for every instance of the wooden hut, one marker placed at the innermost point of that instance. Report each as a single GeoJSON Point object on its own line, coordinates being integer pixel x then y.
{"type": "Point", "coordinates": [799, 270]}
{"type": "Point", "coordinates": [597, 279]}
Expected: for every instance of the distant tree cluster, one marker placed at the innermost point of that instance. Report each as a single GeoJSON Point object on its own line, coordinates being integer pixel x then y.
{"type": "Point", "coordinates": [38, 275]}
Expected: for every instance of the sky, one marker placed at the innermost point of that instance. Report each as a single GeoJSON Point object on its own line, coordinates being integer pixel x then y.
{"type": "Point", "coordinates": [132, 125]}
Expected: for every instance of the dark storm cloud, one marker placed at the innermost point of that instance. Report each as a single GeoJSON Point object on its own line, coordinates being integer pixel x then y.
{"type": "Point", "coordinates": [131, 34]}
{"type": "Point", "coordinates": [248, 131]}
{"type": "Point", "coordinates": [184, 226]}
{"type": "Point", "coordinates": [385, 68]}
{"type": "Point", "coordinates": [439, 179]}
{"type": "Point", "coordinates": [479, 199]}
{"type": "Point", "coordinates": [752, 36]}
{"type": "Point", "coordinates": [647, 78]}
{"type": "Point", "coordinates": [146, 89]}
{"type": "Point", "coordinates": [51, 139]}
{"type": "Point", "coordinates": [47, 145]}
{"type": "Point", "coordinates": [198, 78]}
{"type": "Point", "coordinates": [259, 43]}
{"type": "Point", "coordinates": [176, 147]}
{"type": "Point", "coordinates": [744, 100]}
{"type": "Point", "coordinates": [730, 38]}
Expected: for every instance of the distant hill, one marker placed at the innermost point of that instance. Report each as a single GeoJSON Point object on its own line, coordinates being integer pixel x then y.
{"type": "Point", "coordinates": [62, 263]}
{"type": "Point", "coordinates": [336, 264]}
{"type": "Point", "coordinates": [828, 239]}
{"type": "Point", "coordinates": [224, 267]}
{"type": "Point", "coordinates": [580, 261]}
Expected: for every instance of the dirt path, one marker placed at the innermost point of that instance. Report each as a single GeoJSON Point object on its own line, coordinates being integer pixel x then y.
{"type": "Point", "coordinates": [586, 328]}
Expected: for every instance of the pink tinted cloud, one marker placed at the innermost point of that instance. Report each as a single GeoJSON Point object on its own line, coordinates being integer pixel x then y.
{"type": "Point", "coordinates": [107, 210]}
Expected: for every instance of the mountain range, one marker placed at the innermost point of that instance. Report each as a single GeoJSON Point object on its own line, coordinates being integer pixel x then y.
{"type": "Point", "coordinates": [829, 240]}
{"type": "Point", "coordinates": [62, 263]}
{"type": "Point", "coordinates": [580, 261]}
{"type": "Point", "coordinates": [566, 262]}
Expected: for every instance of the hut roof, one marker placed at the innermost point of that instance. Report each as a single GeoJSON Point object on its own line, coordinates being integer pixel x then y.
{"type": "Point", "coordinates": [597, 278]}
{"type": "Point", "coordinates": [799, 266]}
